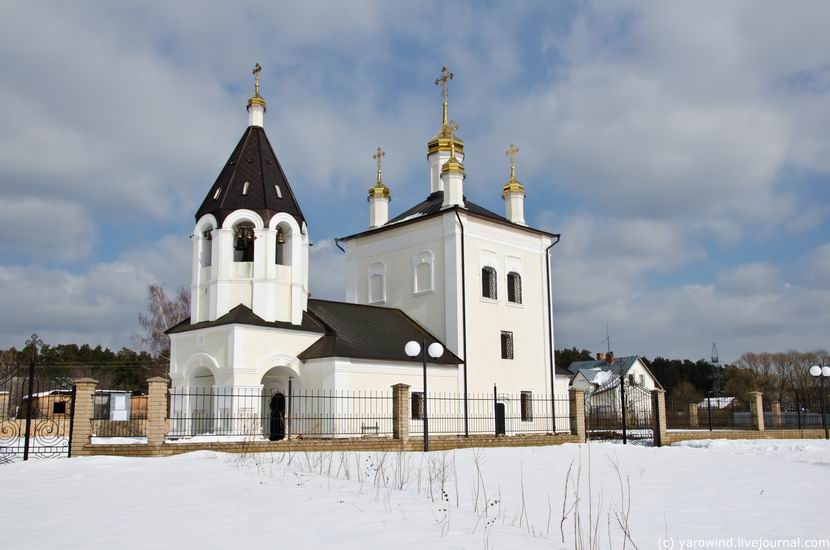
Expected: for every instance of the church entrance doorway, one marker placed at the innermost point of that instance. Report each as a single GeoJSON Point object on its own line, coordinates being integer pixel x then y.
{"type": "Point", "coordinates": [277, 427]}
{"type": "Point", "coordinates": [500, 424]}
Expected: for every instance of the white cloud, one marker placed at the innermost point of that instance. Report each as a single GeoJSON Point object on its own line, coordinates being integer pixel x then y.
{"type": "Point", "coordinates": [45, 229]}
{"type": "Point", "coordinates": [97, 306]}
{"type": "Point", "coordinates": [327, 271]}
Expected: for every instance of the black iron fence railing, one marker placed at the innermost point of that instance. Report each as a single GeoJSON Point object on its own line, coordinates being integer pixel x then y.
{"type": "Point", "coordinates": [615, 412]}
{"type": "Point", "coordinates": [243, 414]}
{"type": "Point", "coordinates": [119, 413]}
{"type": "Point", "coordinates": [251, 413]}
{"type": "Point", "coordinates": [797, 410]}
{"type": "Point", "coordinates": [35, 415]}
{"type": "Point", "coordinates": [710, 413]}
{"type": "Point", "coordinates": [489, 414]}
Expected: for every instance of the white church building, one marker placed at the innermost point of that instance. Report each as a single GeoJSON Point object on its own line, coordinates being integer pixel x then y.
{"type": "Point", "coordinates": [445, 270]}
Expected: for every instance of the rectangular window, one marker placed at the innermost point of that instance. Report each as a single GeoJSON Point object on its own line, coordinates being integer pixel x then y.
{"type": "Point", "coordinates": [59, 407]}
{"type": "Point", "coordinates": [527, 406]}
{"type": "Point", "coordinates": [506, 344]}
{"type": "Point", "coordinates": [417, 405]}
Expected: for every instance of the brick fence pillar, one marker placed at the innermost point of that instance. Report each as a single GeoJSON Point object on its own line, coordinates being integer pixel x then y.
{"type": "Point", "coordinates": [658, 416]}
{"type": "Point", "coordinates": [84, 411]}
{"type": "Point", "coordinates": [577, 413]}
{"type": "Point", "coordinates": [400, 412]}
{"type": "Point", "coordinates": [776, 414]}
{"type": "Point", "coordinates": [756, 406]}
{"type": "Point", "coordinates": [157, 423]}
{"type": "Point", "coordinates": [693, 420]}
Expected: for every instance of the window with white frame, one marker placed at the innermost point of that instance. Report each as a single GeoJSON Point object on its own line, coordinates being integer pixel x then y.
{"type": "Point", "coordinates": [506, 344]}
{"type": "Point", "coordinates": [377, 283]}
{"type": "Point", "coordinates": [514, 288]}
{"type": "Point", "coordinates": [489, 286]}
{"type": "Point", "coordinates": [423, 272]}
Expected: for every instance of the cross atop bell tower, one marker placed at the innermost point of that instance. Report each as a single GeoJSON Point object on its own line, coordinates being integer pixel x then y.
{"type": "Point", "coordinates": [256, 104]}
{"type": "Point", "coordinates": [442, 80]}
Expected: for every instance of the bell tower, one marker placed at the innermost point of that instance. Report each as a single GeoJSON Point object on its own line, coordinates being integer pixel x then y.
{"type": "Point", "coordinates": [250, 242]}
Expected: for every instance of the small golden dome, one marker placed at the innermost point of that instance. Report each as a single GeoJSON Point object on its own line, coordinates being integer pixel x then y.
{"type": "Point", "coordinates": [256, 99]}
{"type": "Point", "coordinates": [513, 185]}
{"type": "Point", "coordinates": [379, 190]}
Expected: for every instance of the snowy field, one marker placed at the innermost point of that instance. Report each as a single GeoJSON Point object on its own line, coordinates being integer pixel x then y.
{"type": "Point", "coordinates": [754, 494]}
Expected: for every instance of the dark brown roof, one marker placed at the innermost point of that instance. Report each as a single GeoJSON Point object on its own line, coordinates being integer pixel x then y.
{"type": "Point", "coordinates": [350, 330]}
{"type": "Point", "coordinates": [243, 315]}
{"type": "Point", "coordinates": [368, 332]}
{"type": "Point", "coordinates": [433, 204]}
{"type": "Point", "coordinates": [432, 207]}
{"type": "Point", "coordinates": [253, 161]}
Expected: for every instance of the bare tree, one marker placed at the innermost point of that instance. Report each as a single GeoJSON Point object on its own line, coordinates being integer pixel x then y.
{"type": "Point", "coordinates": [9, 366]}
{"type": "Point", "coordinates": [162, 312]}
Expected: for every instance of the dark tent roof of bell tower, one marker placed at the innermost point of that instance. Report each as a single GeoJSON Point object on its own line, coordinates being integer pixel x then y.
{"type": "Point", "coordinates": [268, 192]}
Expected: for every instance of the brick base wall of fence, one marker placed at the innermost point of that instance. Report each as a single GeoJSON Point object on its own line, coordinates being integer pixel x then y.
{"type": "Point", "coordinates": [437, 443]}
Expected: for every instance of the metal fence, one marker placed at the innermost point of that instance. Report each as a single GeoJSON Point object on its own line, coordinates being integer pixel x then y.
{"type": "Point", "coordinates": [243, 414]}
{"type": "Point", "coordinates": [796, 410]}
{"type": "Point", "coordinates": [250, 413]}
{"type": "Point", "coordinates": [489, 414]}
{"type": "Point", "coordinates": [35, 415]}
{"type": "Point", "coordinates": [712, 413]}
{"type": "Point", "coordinates": [619, 413]}
{"type": "Point", "coordinates": [119, 413]}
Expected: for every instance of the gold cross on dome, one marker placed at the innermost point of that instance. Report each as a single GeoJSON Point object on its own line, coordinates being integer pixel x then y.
{"type": "Point", "coordinates": [255, 72]}
{"type": "Point", "coordinates": [511, 154]}
{"type": "Point", "coordinates": [379, 154]}
{"type": "Point", "coordinates": [442, 80]}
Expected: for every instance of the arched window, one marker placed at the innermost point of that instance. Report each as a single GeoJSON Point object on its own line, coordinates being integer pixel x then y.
{"type": "Point", "coordinates": [422, 272]}
{"type": "Point", "coordinates": [206, 247]}
{"type": "Point", "coordinates": [514, 287]}
{"type": "Point", "coordinates": [377, 283]}
{"type": "Point", "coordinates": [488, 283]}
{"type": "Point", "coordinates": [243, 242]}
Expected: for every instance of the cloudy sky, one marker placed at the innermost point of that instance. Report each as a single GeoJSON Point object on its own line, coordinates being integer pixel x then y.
{"type": "Point", "coordinates": [682, 150]}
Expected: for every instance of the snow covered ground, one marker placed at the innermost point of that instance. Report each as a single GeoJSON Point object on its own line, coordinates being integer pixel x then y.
{"type": "Point", "coordinates": [749, 492]}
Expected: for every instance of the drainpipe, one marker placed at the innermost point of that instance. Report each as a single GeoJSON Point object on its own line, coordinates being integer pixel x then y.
{"type": "Point", "coordinates": [337, 244]}
{"type": "Point", "coordinates": [464, 322]}
{"type": "Point", "coordinates": [557, 237]}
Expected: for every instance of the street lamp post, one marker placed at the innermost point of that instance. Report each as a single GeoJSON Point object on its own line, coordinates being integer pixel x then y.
{"type": "Point", "coordinates": [822, 372]}
{"type": "Point", "coordinates": [435, 350]}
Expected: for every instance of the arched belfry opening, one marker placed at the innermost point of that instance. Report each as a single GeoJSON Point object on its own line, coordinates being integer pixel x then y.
{"type": "Point", "coordinates": [243, 242]}
{"type": "Point", "coordinates": [284, 243]}
{"type": "Point", "coordinates": [206, 247]}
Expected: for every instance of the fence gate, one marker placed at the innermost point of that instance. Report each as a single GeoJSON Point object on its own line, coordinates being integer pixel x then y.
{"type": "Point", "coordinates": [612, 414]}
{"type": "Point", "coordinates": [35, 415]}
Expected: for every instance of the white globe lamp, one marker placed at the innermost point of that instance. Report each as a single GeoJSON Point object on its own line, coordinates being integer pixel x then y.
{"type": "Point", "coordinates": [815, 370]}
{"type": "Point", "coordinates": [412, 348]}
{"type": "Point", "coordinates": [436, 350]}
{"type": "Point", "coordinates": [825, 371]}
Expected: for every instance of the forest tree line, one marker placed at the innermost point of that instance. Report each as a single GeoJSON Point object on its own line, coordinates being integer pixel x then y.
{"type": "Point", "coordinates": [778, 375]}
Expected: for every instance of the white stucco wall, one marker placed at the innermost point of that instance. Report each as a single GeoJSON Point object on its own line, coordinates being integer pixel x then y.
{"type": "Point", "coordinates": [486, 243]}
{"type": "Point", "coordinates": [395, 250]}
